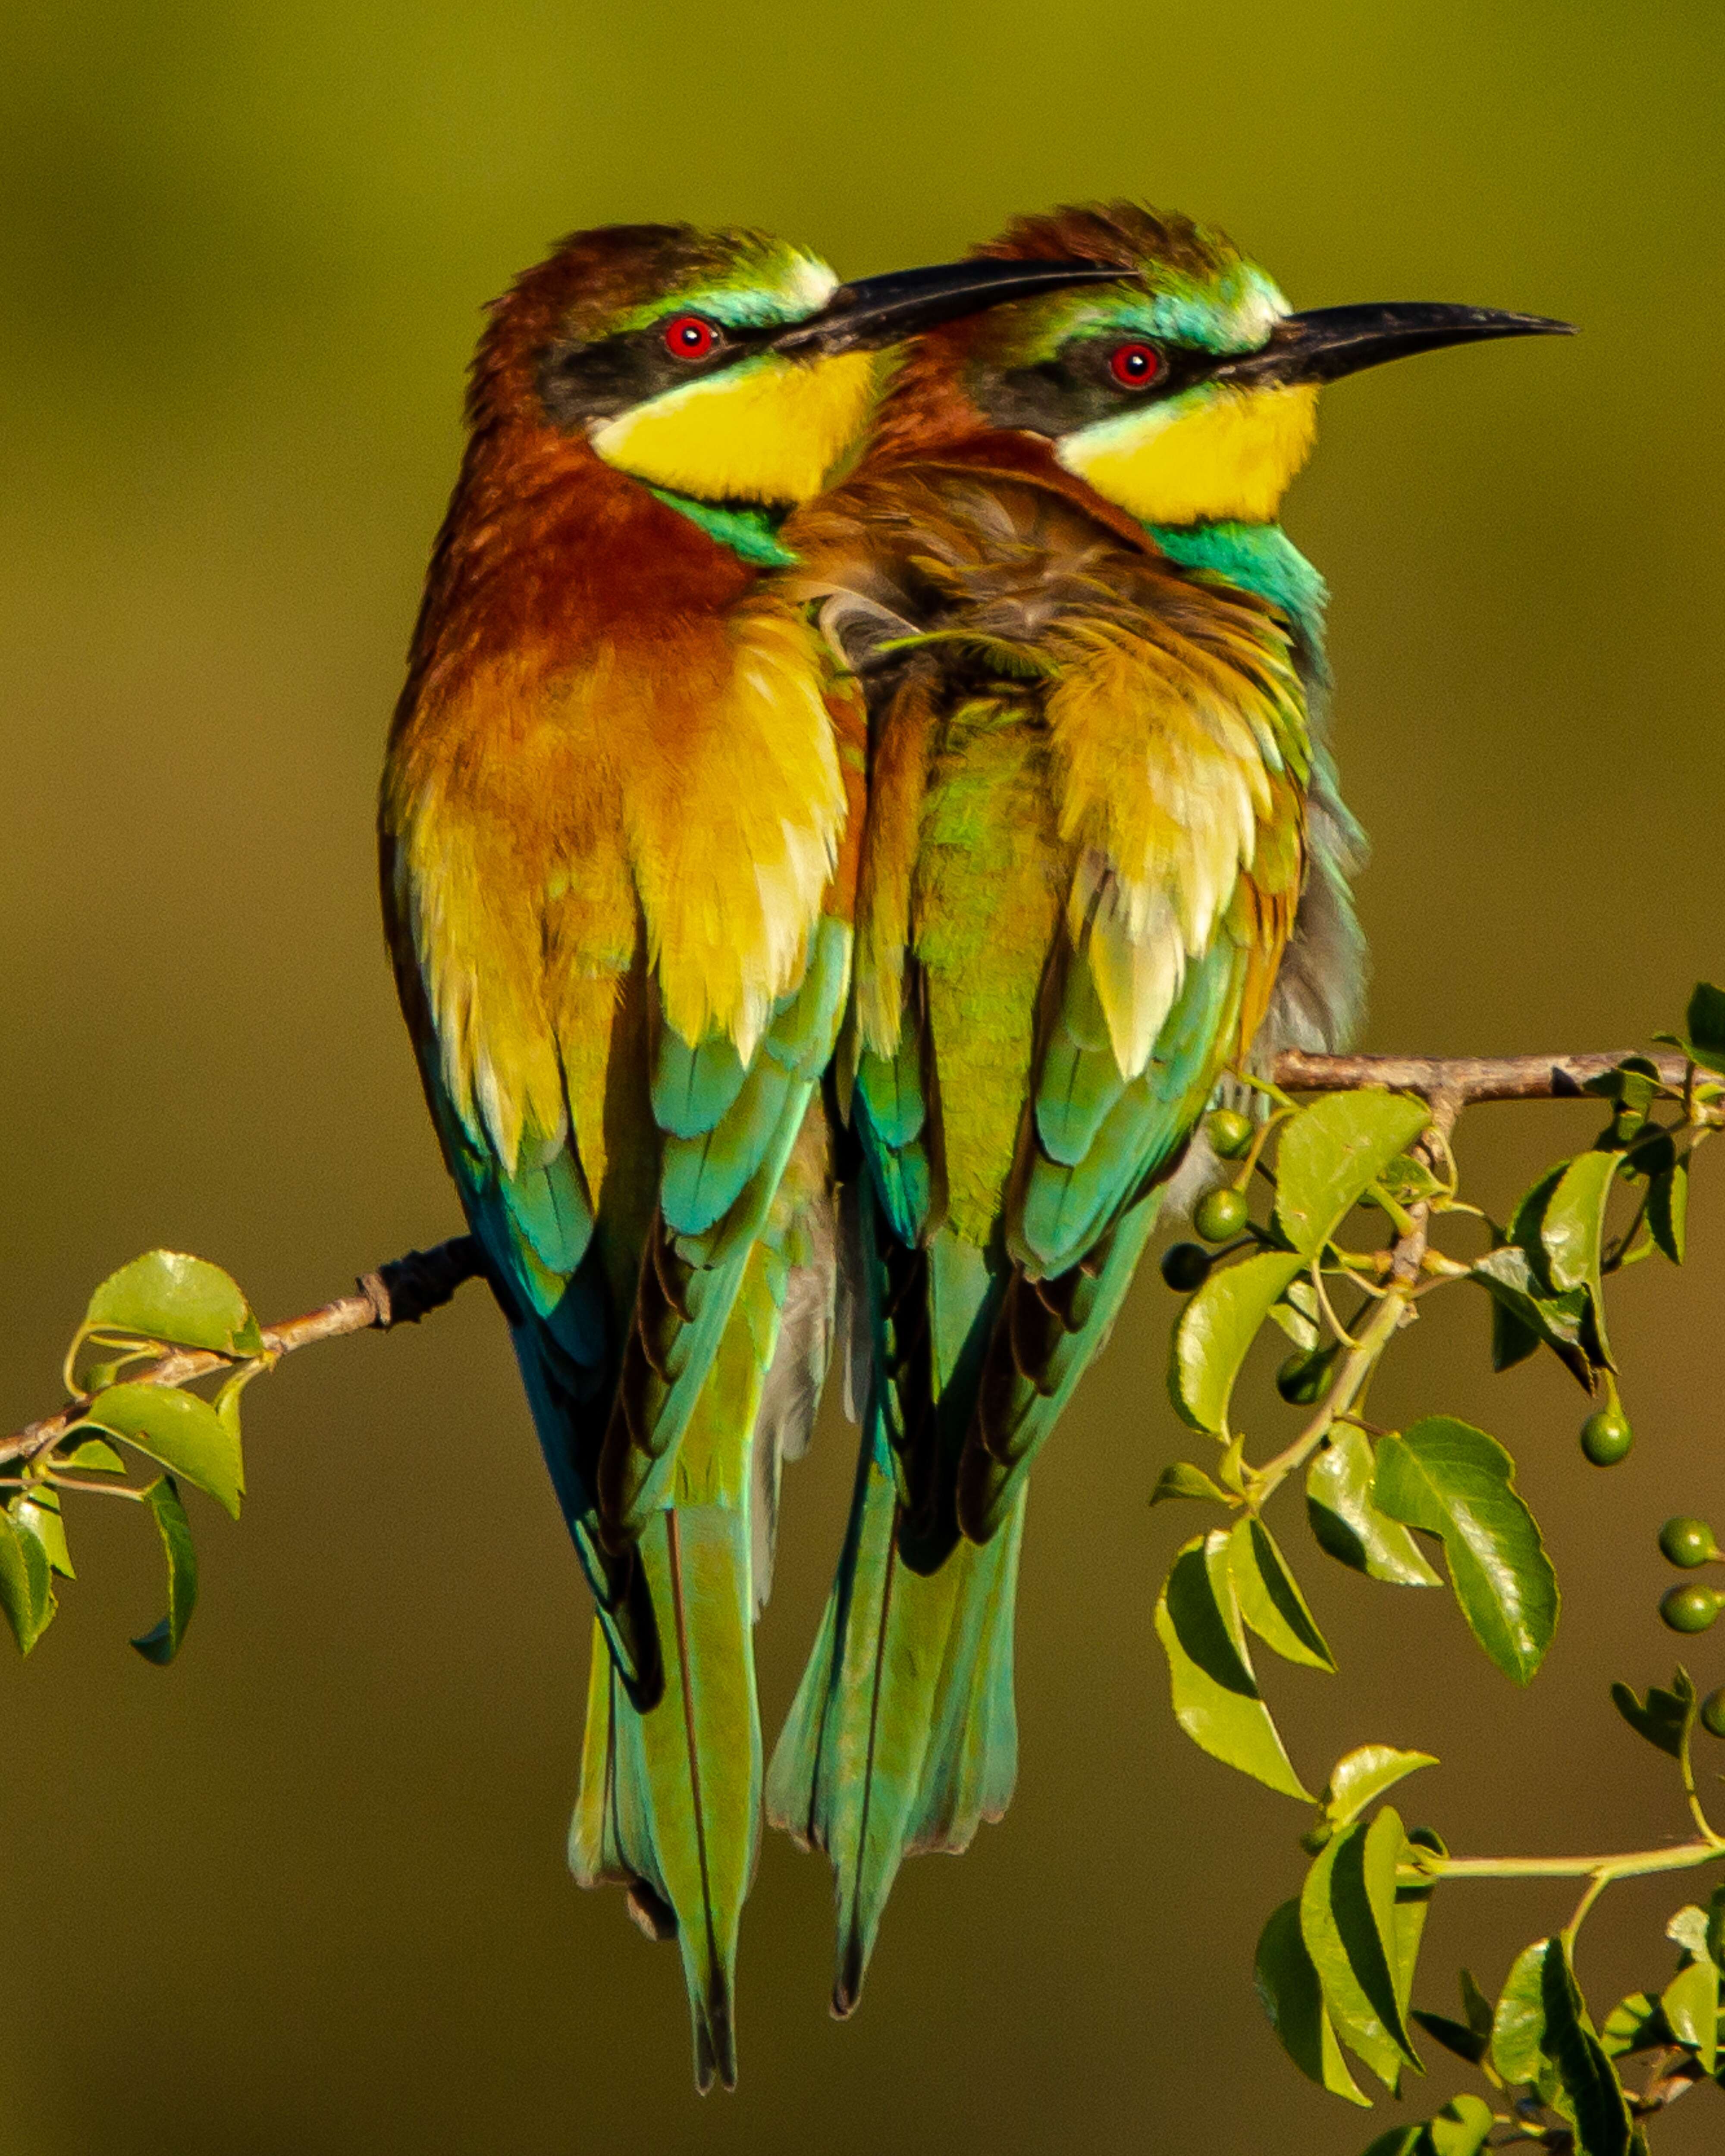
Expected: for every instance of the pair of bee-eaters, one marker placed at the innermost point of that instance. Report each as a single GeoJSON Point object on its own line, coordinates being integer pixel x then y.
{"type": "Point", "coordinates": [813, 893]}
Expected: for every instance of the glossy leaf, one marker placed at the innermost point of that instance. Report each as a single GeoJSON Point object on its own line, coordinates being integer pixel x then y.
{"type": "Point", "coordinates": [1453, 1481]}
{"type": "Point", "coordinates": [1591, 2095]}
{"type": "Point", "coordinates": [1217, 1328]}
{"type": "Point", "coordinates": [1461, 2127]}
{"type": "Point", "coordinates": [1296, 1312]}
{"type": "Point", "coordinates": [1690, 2003]}
{"type": "Point", "coordinates": [26, 1583]}
{"type": "Point", "coordinates": [1348, 1920]}
{"type": "Point", "coordinates": [181, 1430]}
{"type": "Point", "coordinates": [1477, 2007]}
{"type": "Point", "coordinates": [1454, 2035]}
{"type": "Point", "coordinates": [1525, 1315]}
{"type": "Point", "coordinates": [188, 1301]}
{"type": "Point", "coordinates": [1215, 1694]}
{"type": "Point", "coordinates": [1572, 1231]}
{"type": "Point", "coordinates": [1360, 1777]}
{"type": "Point", "coordinates": [1413, 1902]}
{"type": "Point", "coordinates": [1668, 1209]}
{"type": "Point", "coordinates": [1399, 2141]}
{"type": "Point", "coordinates": [1634, 2024]}
{"type": "Point", "coordinates": [1519, 2024]}
{"type": "Point", "coordinates": [162, 1642]}
{"type": "Point", "coordinates": [1331, 1154]}
{"type": "Point", "coordinates": [1706, 1026]}
{"type": "Point", "coordinates": [1665, 1719]}
{"type": "Point", "coordinates": [1688, 1929]}
{"type": "Point", "coordinates": [95, 1456]}
{"type": "Point", "coordinates": [1181, 1479]}
{"type": "Point", "coordinates": [1287, 1984]}
{"type": "Point", "coordinates": [40, 1513]}
{"type": "Point", "coordinates": [1348, 1527]}
{"type": "Point", "coordinates": [1270, 1599]}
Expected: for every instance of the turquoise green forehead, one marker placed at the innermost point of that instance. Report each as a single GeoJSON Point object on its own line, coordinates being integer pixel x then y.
{"type": "Point", "coordinates": [744, 280]}
{"type": "Point", "coordinates": [1229, 308]}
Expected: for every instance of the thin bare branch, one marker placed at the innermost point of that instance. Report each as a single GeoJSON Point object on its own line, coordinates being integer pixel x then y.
{"type": "Point", "coordinates": [400, 1293]}
{"type": "Point", "coordinates": [1465, 1078]}
{"type": "Point", "coordinates": [405, 1289]}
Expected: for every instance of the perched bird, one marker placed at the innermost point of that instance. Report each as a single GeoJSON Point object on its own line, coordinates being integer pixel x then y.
{"type": "Point", "coordinates": [1104, 860]}
{"type": "Point", "coordinates": [617, 832]}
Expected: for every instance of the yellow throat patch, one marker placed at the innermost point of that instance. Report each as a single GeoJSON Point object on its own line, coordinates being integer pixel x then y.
{"type": "Point", "coordinates": [770, 429]}
{"type": "Point", "coordinates": [1211, 456]}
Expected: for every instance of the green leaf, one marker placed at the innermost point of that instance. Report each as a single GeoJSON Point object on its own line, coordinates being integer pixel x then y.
{"type": "Point", "coordinates": [1475, 2006]}
{"type": "Point", "coordinates": [1454, 2035]}
{"type": "Point", "coordinates": [95, 1456]}
{"type": "Point", "coordinates": [1180, 1479]}
{"type": "Point", "coordinates": [1688, 1929]}
{"type": "Point", "coordinates": [1297, 1314]}
{"type": "Point", "coordinates": [1706, 1026]}
{"type": "Point", "coordinates": [1270, 1599]}
{"type": "Point", "coordinates": [1525, 1315]}
{"type": "Point", "coordinates": [1450, 1480]}
{"type": "Point", "coordinates": [1668, 1209]}
{"type": "Point", "coordinates": [1400, 2141]}
{"type": "Point", "coordinates": [1347, 1525]}
{"type": "Point", "coordinates": [181, 1430]}
{"type": "Point", "coordinates": [1591, 2094]}
{"type": "Point", "coordinates": [1216, 1328]}
{"type": "Point", "coordinates": [1348, 1920]}
{"type": "Point", "coordinates": [1409, 1181]}
{"type": "Point", "coordinates": [1518, 2024]}
{"type": "Point", "coordinates": [1216, 1699]}
{"type": "Point", "coordinates": [26, 1583]}
{"type": "Point", "coordinates": [188, 1301]}
{"type": "Point", "coordinates": [1573, 1231]}
{"type": "Point", "coordinates": [1287, 1984]}
{"type": "Point", "coordinates": [1329, 1155]}
{"type": "Point", "coordinates": [1691, 2004]}
{"type": "Point", "coordinates": [1360, 1777]}
{"type": "Point", "coordinates": [1665, 1719]}
{"type": "Point", "coordinates": [1461, 2127]}
{"type": "Point", "coordinates": [40, 1513]}
{"type": "Point", "coordinates": [1413, 1902]}
{"type": "Point", "coordinates": [1634, 2024]}
{"type": "Point", "coordinates": [162, 1642]}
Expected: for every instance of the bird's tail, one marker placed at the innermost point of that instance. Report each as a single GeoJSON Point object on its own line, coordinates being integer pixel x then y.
{"type": "Point", "coordinates": [669, 1799]}
{"type": "Point", "coordinates": [669, 1804]}
{"type": "Point", "coordinates": [903, 1736]}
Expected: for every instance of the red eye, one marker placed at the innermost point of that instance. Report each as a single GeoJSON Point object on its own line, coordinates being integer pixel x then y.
{"type": "Point", "coordinates": [1136, 366]}
{"type": "Point", "coordinates": [690, 336]}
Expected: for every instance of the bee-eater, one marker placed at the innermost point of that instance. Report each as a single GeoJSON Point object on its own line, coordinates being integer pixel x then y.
{"type": "Point", "coordinates": [617, 835]}
{"type": "Point", "coordinates": [1104, 860]}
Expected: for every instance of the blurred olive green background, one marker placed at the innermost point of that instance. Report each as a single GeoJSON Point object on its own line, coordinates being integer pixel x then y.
{"type": "Point", "coordinates": [304, 1893]}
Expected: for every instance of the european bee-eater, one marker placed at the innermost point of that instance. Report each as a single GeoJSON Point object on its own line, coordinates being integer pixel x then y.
{"type": "Point", "coordinates": [617, 831]}
{"type": "Point", "coordinates": [1104, 860]}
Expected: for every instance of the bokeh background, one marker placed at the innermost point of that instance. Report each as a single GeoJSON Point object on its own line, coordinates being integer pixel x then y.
{"type": "Point", "coordinates": [305, 1892]}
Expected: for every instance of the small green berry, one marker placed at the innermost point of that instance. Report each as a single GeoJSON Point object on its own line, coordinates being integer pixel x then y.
{"type": "Point", "coordinates": [1230, 1133]}
{"type": "Point", "coordinates": [1606, 1437]}
{"type": "Point", "coordinates": [1690, 1608]}
{"type": "Point", "coordinates": [1712, 1713]}
{"type": "Point", "coordinates": [1185, 1267]}
{"type": "Point", "coordinates": [1302, 1378]}
{"type": "Point", "coordinates": [1220, 1214]}
{"type": "Point", "coordinates": [1686, 1542]}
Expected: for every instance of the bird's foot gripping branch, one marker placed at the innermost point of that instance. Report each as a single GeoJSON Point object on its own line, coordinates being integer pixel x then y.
{"type": "Point", "coordinates": [1336, 1963]}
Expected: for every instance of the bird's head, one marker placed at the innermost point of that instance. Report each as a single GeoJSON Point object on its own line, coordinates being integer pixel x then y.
{"type": "Point", "coordinates": [724, 366]}
{"type": "Point", "coordinates": [1186, 391]}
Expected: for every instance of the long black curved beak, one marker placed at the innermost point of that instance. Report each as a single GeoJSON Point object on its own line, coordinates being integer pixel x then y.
{"type": "Point", "coordinates": [1325, 343]}
{"type": "Point", "coordinates": [876, 311]}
